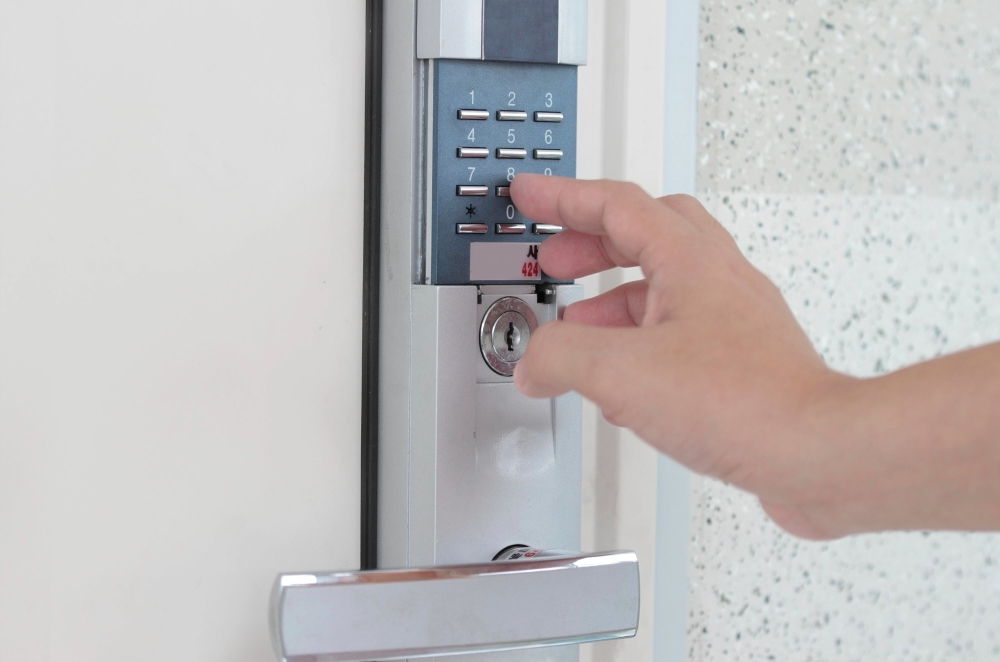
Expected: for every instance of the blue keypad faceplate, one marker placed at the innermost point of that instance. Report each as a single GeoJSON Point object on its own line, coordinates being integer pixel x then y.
{"type": "Point", "coordinates": [492, 86]}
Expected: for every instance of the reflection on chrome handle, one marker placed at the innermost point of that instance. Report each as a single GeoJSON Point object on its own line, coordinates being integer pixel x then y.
{"type": "Point", "coordinates": [504, 605]}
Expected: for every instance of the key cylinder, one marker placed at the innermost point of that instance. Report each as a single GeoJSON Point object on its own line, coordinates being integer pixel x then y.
{"type": "Point", "coordinates": [504, 333]}
{"type": "Point", "coordinates": [510, 336]}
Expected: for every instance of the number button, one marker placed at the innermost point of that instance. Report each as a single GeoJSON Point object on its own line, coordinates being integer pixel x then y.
{"type": "Point", "coordinates": [512, 116]}
{"type": "Point", "coordinates": [510, 228]}
{"type": "Point", "coordinates": [473, 114]}
{"type": "Point", "coordinates": [548, 154]}
{"type": "Point", "coordinates": [512, 153]}
{"type": "Point", "coordinates": [545, 116]}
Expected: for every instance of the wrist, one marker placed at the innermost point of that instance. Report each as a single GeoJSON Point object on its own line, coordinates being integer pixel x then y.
{"type": "Point", "coordinates": [825, 481]}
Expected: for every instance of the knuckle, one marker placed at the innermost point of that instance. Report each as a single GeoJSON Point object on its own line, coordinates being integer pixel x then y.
{"type": "Point", "coordinates": [607, 252]}
{"type": "Point", "coordinates": [632, 190]}
{"type": "Point", "coordinates": [617, 189]}
{"type": "Point", "coordinates": [682, 203]}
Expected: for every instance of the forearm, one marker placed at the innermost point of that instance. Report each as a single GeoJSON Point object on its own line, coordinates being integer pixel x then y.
{"type": "Point", "coordinates": [915, 449]}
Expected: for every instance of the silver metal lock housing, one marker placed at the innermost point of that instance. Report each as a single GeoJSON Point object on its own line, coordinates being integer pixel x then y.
{"type": "Point", "coordinates": [504, 334]}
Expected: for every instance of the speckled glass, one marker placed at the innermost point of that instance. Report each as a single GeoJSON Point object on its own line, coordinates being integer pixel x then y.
{"type": "Point", "coordinates": [853, 148]}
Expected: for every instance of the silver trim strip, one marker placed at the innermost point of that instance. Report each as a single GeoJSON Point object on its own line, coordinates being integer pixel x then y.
{"type": "Point", "coordinates": [446, 28]}
{"type": "Point", "coordinates": [572, 32]}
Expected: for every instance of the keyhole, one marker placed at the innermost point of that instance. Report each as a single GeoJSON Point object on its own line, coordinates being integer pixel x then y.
{"type": "Point", "coordinates": [510, 337]}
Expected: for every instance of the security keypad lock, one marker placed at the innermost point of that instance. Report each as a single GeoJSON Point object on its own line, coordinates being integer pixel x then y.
{"type": "Point", "coordinates": [477, 483]}
{"type": "Point", "coordinates": [493, 120]}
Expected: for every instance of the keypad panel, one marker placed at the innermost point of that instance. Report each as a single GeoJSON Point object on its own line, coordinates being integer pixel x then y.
{"type": "Point", "coordinates": [538, 136]}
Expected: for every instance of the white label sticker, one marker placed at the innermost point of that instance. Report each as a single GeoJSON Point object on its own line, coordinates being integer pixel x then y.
{"type": "Point", "coordinates": [503, 261]}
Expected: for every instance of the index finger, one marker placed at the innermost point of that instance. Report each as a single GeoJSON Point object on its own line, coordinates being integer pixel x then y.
{"type": "Point", "coordinates": [621, 211]}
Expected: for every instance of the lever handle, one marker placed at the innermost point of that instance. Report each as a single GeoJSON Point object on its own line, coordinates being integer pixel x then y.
{"type": "Point", "coordinates": [418, 612]}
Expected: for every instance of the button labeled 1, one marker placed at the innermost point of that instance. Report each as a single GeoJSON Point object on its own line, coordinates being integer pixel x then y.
{"type": "Point", "coordinates": [504, 334]}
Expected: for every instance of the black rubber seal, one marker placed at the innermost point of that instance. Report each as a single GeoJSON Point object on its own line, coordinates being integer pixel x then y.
{"type": "Point", "coordinates": [370, 287]}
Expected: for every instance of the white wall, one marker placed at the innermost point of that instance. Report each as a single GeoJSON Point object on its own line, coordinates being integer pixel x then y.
{"type": "Point", "coordinates": [854, 151]}
{"type": "Point", "coordinates": [180, 239]}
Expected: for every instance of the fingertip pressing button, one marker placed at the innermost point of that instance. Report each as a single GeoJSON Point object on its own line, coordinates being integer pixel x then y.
{"type": "Point", "coordinates": [503, 191]}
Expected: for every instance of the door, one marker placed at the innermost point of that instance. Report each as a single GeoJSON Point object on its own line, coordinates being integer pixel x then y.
{"type": "Point", "coordinates": [180, 295]}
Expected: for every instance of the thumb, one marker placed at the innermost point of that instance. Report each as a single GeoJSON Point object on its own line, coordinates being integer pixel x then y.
{"type": "Point", "coordinates": [565, 356]}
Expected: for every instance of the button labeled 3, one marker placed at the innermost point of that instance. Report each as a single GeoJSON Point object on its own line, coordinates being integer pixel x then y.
{"type": "Point", "coordinates": [504, 334]}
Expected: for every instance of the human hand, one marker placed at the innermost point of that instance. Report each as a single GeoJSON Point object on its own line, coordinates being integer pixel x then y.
{"type": "Point", "coordinates": [704, 360]}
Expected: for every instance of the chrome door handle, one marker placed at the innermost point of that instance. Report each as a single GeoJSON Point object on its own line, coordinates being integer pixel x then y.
{"type": "Point", "coordinates": [537, 600]}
